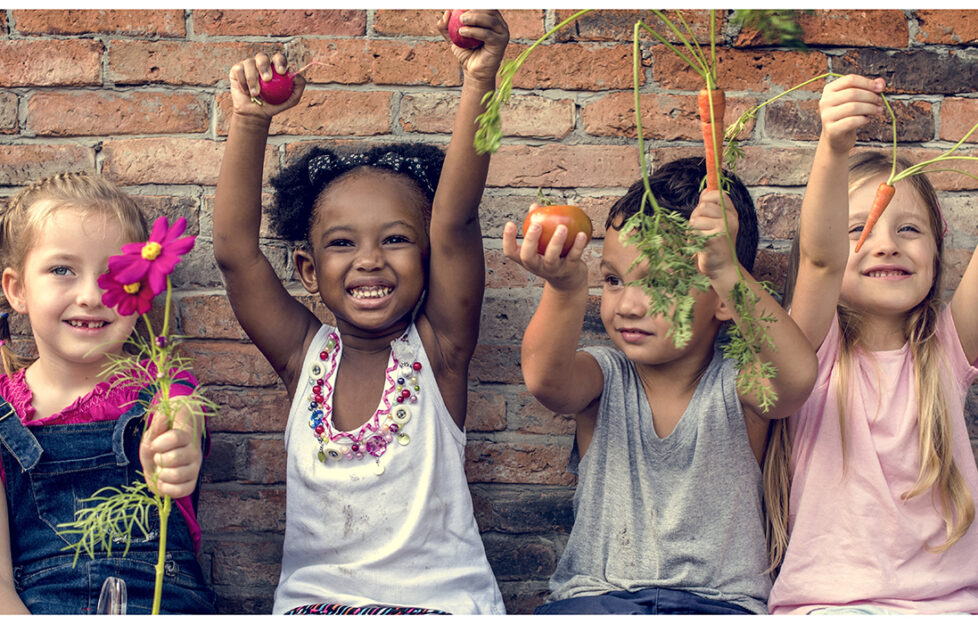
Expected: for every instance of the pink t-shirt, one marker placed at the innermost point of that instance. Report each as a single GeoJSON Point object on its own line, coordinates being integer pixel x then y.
{"type": "Point", "coordinates": [853, 540]}
{"type": "Point", "coordinates": [106, 401]}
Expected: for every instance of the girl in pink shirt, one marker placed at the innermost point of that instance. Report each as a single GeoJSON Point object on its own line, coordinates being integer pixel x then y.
{"type": "Point", "coordinates": [66, 429]}
{"type": "Point", "coordinates": [881, 471]}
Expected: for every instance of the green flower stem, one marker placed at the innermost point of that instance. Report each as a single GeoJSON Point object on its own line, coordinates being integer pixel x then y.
{"type": "Point", "coordinates": [161, 559]}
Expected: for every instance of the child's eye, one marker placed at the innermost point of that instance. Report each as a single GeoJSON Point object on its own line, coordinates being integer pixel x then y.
{"type": "Point", "coordinates": [61, 271]}
{"type": "Point", "coordinates": [909, 228]}
{"type": "Point", "coordinates": [856, 229]}
{"type": "Point", "coordinates": [612, 281]}
{"type": "Point", "coordinates": [395, 239]}
{"type": "Point", "coordinates": [340, 242]}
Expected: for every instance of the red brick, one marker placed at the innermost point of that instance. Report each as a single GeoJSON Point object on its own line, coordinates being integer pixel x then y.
{"type": "Point", "coordinates": [958, 116]}
{"type": "Point", "coordinates": [221, 510]}
{"type": "Point", "coordinates": [523, 24]}
{"type": "Point", "coordinates": [771, 266]}
{"type": "Point", "coordinates": [665, 117]}
{"type": "Point", "coordinates": [324, 113]}
{"type": "Point", "coordinates": [575, 66]}
{"type": "Point", "coordinates": [777, 215]}
{"type": "Point", "coordinates": [167, 160]}
{"type": "Point", "coordinates": [851, 28]}
{"type": "Point", "coordinates": [209, 316]}
{"type": "Point", "coordinates": [137, 23]}
{"type": "Point", "coordinates": [231, 363]}
{"type": "Point", "coordinates": [343, 61]}
{"type": "Point", "coordinates": [496, 364]}
{"type": "Point", "coordinates": [761, 166]}
{"type": "Point", "coordinates": [955, 263]}
{"type": "Point", "coordinates": [264, 461]}
{"type": "Point", "coordinates": [538, 419]}
{"type": "Point", "coordinates": [523, 116]}
{"type": "Point", "coordinates": [247, 563]}
{"type": "Point", "coordinates": [280, 22]}
{"type": "Point", "coordinates": [486, 411]}
{"type": "Point", "coordinates": [78, 113]}
{"type": "Point", "coordinates": [178, 62]}
{"type": "Point", "coordinates": [501, 272]}
{"type": "Point", "coordinates": [946, 26]}
{"type": "Point", "coordinates": [48, 63]}
{"type": "Point", "coordinates": [747, 70]}
{"type": "Point", "coordinates": [23, 164]}
{"type": "Point", "coordinates": [413, 63]}
{"type": "Point", "coordinates": [948, 180]}
{"type": "Point", "coordinates": [511, 462]}
{"type": "Point", "coordinates": [267, 201]}
{"type": "Point", "coordinates": [249, 410]}
{"type": "Point", "coordinates": [568, 166]}
{"type": "Point", "coordinates": [8, 113]}
{"type": "Point", "coordinates": [172, 206]}
{"type": "Point", "coordinates": [619, 25]}
{"type": "Point", "coordinates": [924, 70]}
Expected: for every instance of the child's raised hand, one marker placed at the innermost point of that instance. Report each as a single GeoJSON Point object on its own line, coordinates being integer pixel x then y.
{"type": "Point", "coordinates": [707, 219]}
{"type": "Point", "coordinates": [488, 26]}
{"type": "Point", "coordinates": [171, 458]}
{"type": "Point", "coordinates": [245, 86]}
{"type": "Point", "coordinates": [846, 106]}
{"type": "Point", "coordinates": [563, 273]}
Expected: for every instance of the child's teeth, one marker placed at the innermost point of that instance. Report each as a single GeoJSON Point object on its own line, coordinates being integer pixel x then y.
{"type": "Point", "coordinates": [370, 293]}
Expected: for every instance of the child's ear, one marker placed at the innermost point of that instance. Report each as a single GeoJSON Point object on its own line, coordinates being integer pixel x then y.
{"type": "Point", "coordinates": [13, 290]}
{"type": "Point", "coordinates": [722, 312]}
{"type": "Point", "coordinates": [306, 269]}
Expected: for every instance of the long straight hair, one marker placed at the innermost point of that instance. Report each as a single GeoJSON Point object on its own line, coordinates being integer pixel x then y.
{"type": "Point", "coordinates": [937, 472]}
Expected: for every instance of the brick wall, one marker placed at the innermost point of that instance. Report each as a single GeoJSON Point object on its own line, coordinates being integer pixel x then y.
{"type": "Point", "coordinates": [141, 97]}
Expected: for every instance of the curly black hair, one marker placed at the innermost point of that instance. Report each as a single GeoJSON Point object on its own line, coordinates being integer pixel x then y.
{"type": "Point", "coordinates": [676, 186]}
{"type": "Point", "coordinates": [299, 185]}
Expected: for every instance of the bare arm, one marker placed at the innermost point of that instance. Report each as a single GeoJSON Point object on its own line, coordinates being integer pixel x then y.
{"type": "Point", "coordinates": [792, 354]}
{"type": "Point", "coordinates": [562, 378]}
{"type": "Point", "coordinates": [10, 602]}
{"type": "Point", "coordinates": [846, 105]}
{"type": "Point", "coordinates": [278, 324]}
{"type": "Point", "coordinates": [457, 273]}
{"type": "Point", "coordinates": [963, 306]}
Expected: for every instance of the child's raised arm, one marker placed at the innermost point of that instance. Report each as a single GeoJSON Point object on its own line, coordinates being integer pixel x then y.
{"type": "Point", "coordinates": [278, 324]}
{"type": "Point", "coordinates": [847, 104]}
{"type": "Point", "coordinates": [559, 376]}
{"type": "Point", "coordinates": [457, 265]}
{"type": "Point", "coordinates": [963, 306]}
{"type": "Point", "coordinates": [791, 354]}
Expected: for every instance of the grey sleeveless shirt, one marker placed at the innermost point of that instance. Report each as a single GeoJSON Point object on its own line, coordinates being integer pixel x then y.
{"type": "Point", "coordinates": [682, 512]}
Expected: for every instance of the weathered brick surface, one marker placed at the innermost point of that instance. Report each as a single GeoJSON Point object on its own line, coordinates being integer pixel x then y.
{"type": "Point", "coordinates": [279, 23]}
{"type": "Point", "coordinates": [50, 63]}
{"type": "Point", "coordinates": [141, 97]}
{"type": "Point", "coordinates": [100, 113]}
{"type": "Point", "coordinates": [136, 23]}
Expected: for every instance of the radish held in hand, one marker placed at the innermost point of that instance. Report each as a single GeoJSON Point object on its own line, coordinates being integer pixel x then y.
{"type": "Point", "coordinates": [278, 90]}
{"type": "Point", "coordinates": [549, 217]}
{"type": "Point", "coordinates": [454, 23]}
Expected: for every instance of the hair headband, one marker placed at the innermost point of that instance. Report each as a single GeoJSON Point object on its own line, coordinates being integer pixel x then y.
{"type": "Point", "coordinates": [410, 166]}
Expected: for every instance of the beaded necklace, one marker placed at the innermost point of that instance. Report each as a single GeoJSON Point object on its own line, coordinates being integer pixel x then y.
{"type": "Point", "coordinates": [373, 437]}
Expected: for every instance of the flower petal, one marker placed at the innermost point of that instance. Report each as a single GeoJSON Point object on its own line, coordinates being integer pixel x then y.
{"type": "Point", "coordinates": [160, 228]}
{"type": "Point", "coordinates": [176, 230]}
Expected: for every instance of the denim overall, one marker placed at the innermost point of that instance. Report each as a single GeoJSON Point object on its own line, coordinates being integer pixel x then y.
{"type": "Point", "coordinates": [49, 469]}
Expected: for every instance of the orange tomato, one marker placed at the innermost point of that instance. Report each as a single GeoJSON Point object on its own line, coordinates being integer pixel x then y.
{"type": "Point", "coordinates": [549, 217]}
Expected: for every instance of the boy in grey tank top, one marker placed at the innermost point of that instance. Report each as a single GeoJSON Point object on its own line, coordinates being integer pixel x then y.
{"type": "Point", "coordinates": [668, 512]}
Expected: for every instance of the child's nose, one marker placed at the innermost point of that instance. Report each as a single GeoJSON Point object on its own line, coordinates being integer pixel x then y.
{"type": "Point", "coordinates": [89, 294]}
{"type": "Point", "coordinates": [368, 257]}
{"type": "Point", "coordinates": [634, 302]}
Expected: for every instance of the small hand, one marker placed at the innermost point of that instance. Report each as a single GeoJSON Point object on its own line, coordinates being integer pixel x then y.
{"type": "Point", "coordinates": [847, 104]}
{"type": "Point", "coordinates": [563, 273]}
{"type": "Point", "coordinates": [245, 85]}
{"type": "Point", "coordinates": [171, 457]}
{"type": "Point", "coordinates": [707, 219]}
{"type": "Point", "coordinates": [488, 26]}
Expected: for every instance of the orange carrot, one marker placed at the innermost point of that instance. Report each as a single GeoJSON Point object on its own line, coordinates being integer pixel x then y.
{"type": "Point", "coordinates": [712, 133]}
{"type": "Point", "coordinates": [884, 193]}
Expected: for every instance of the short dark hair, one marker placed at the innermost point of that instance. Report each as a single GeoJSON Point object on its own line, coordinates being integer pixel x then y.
{"type": "Point", "coordinates": [299, 185]}
{"type": "Point", "coordinates": [676, 187]}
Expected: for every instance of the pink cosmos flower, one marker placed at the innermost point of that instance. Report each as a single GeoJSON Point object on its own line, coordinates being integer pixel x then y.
{"type": "Point", "coordinates": [155, 258]}
{"type": "Point", "coordinates": [134, 298]}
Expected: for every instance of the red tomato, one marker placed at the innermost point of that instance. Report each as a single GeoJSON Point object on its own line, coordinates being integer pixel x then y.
{"type": "Point", "coordinates": [549, 217]}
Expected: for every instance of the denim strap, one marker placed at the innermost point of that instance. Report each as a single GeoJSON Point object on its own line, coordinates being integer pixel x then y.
{"type": "Point", "coordinates": [18, 439]}
{"type": "Point", "coordinates": [138, 409]}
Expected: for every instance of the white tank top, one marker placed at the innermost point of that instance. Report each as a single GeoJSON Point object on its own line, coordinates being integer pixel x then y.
{"type": "Point", "coordinates": [380, 515]}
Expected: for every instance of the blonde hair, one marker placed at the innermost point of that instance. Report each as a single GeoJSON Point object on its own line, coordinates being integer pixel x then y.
{"type": "Point", "coordinates": [938, 473]}
{"type": "Point", "coordinates": [22, 219]}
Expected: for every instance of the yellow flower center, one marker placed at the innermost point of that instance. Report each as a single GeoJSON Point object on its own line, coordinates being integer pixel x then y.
{"type": "Point", "coordinates": [132, 289]}
{"type": "Point", "coordinates": [151, 250]}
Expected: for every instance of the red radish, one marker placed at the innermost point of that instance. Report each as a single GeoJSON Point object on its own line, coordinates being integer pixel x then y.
{"type": "Point", "coordinates": [454, 23]}
{"type": "Point", "coordinates": [279, 88]}
{"type": "Point", "coordinates": [549, 217]}
{"type": "Point", "coordinates": [884, 193]}
{"type": "Point", "coordinates": [712, 133]}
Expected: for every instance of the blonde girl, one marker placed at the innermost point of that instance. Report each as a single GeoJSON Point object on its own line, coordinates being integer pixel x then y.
{"type": "Point", "coordinates": [65, 429]}
{"type": "Point", "coordinates": [880, 517]}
